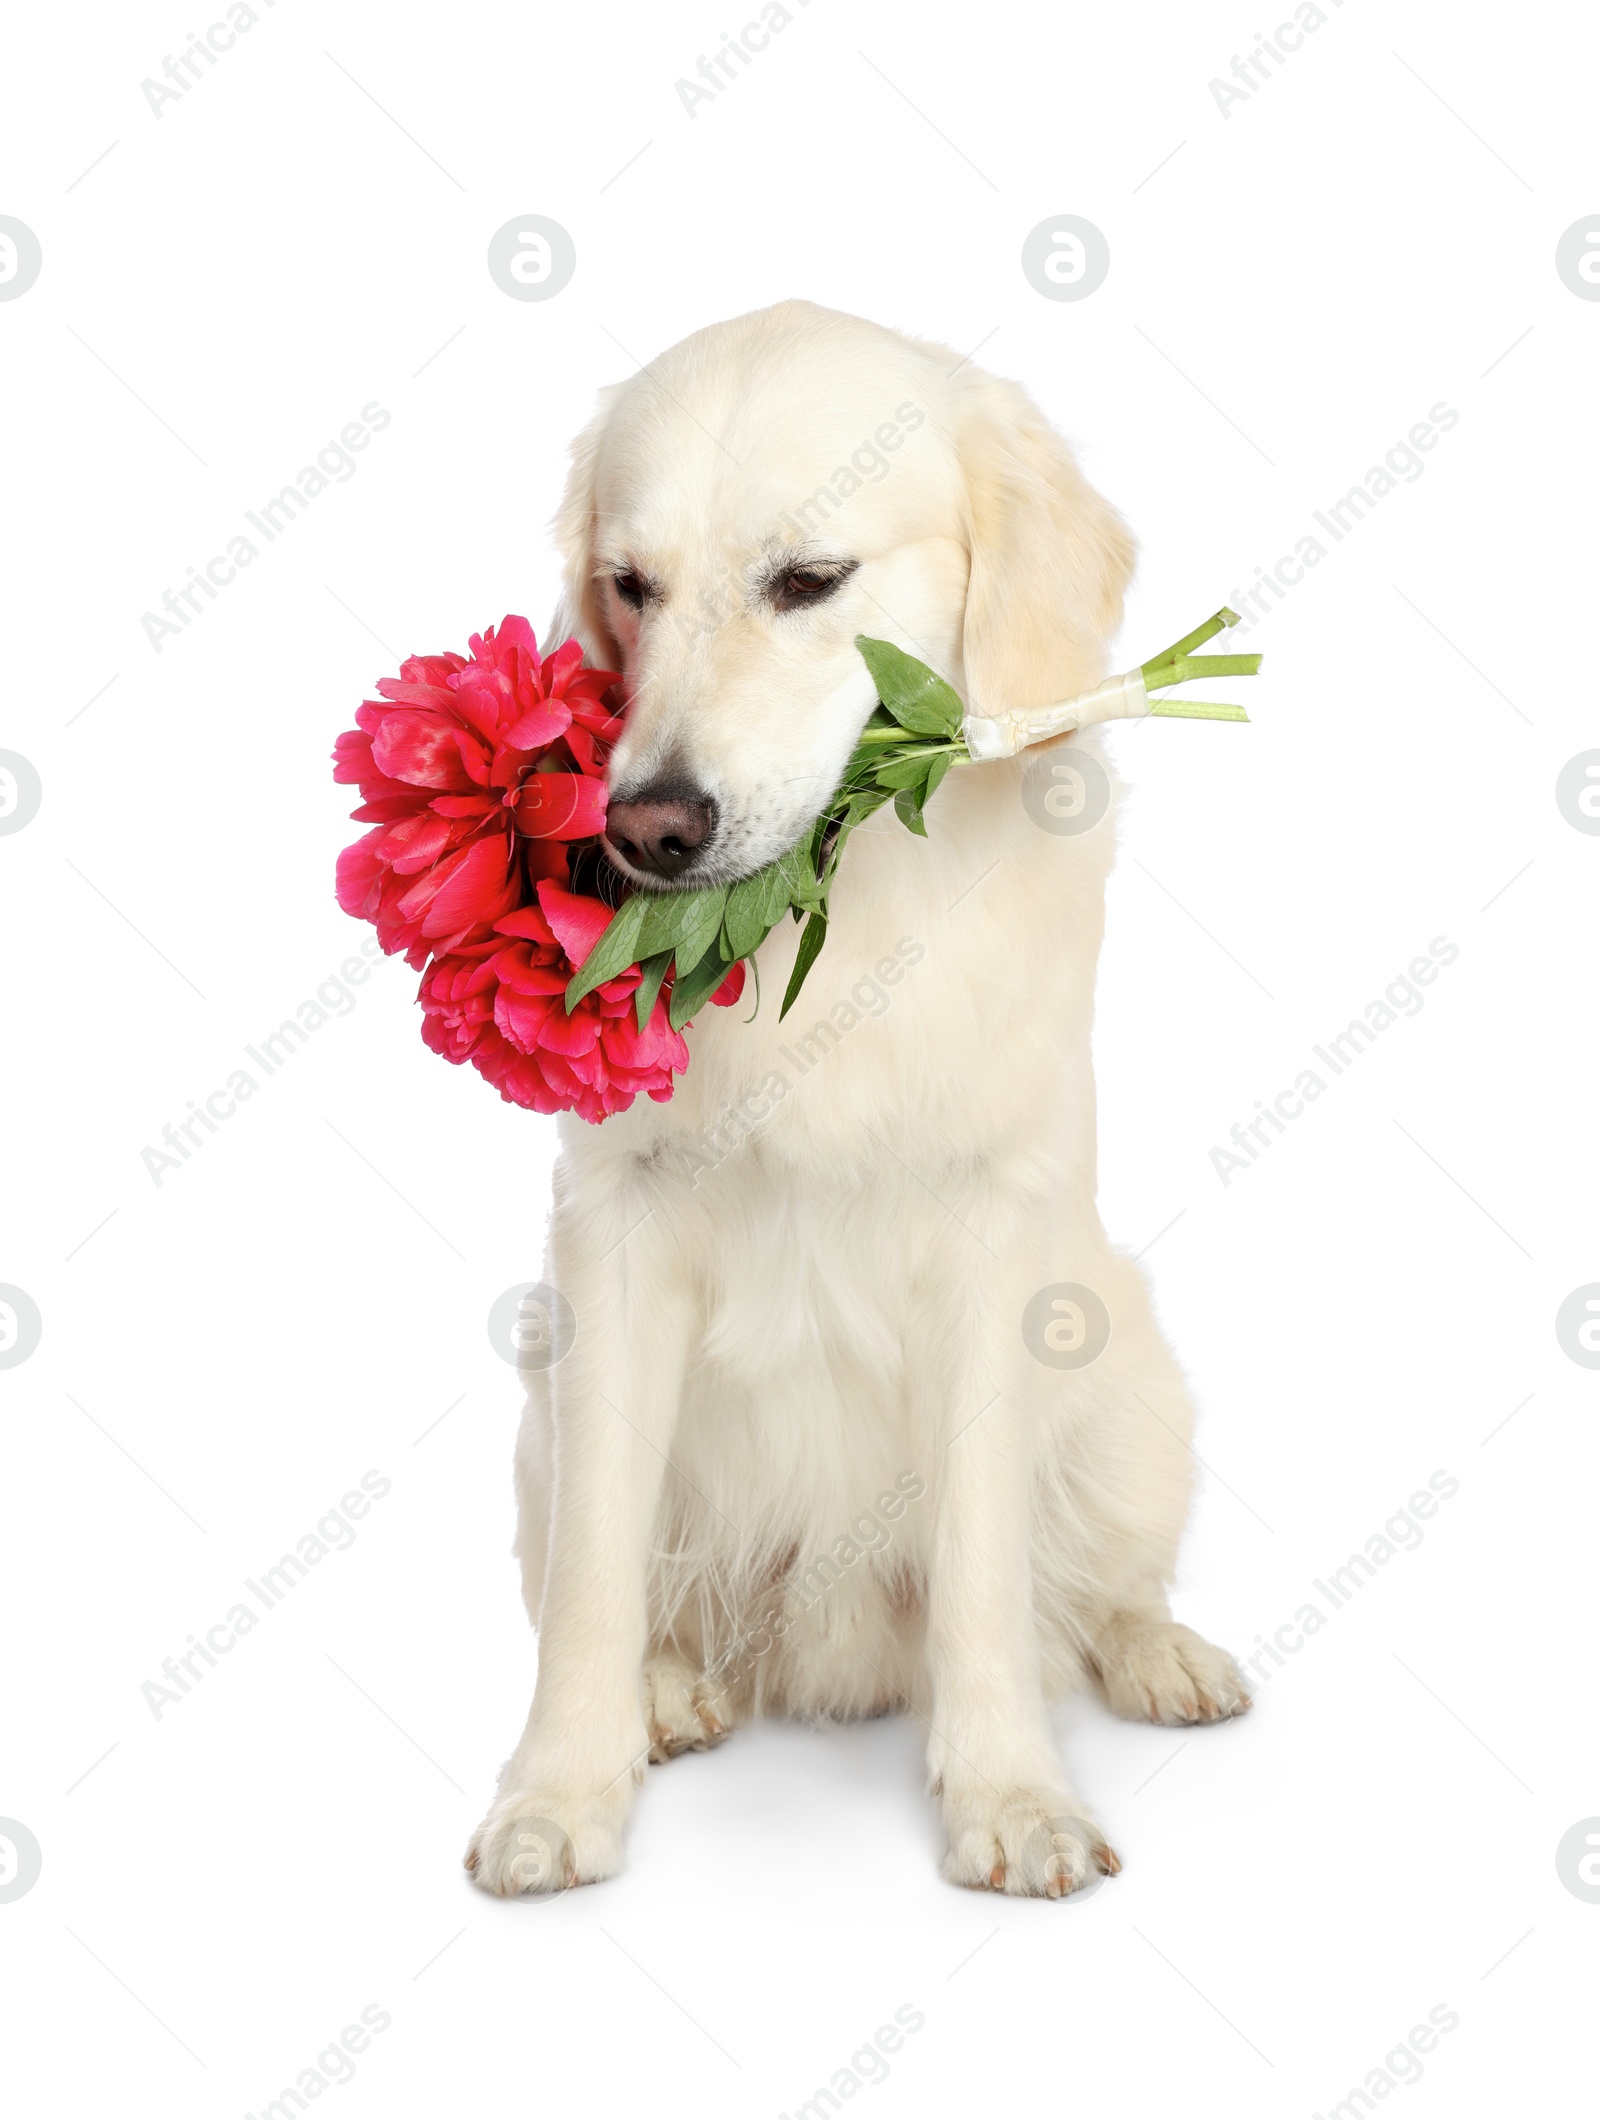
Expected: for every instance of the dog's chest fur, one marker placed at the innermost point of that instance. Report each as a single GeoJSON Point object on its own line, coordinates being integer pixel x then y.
{"type": "Point", "coordinates": [826, 1179]}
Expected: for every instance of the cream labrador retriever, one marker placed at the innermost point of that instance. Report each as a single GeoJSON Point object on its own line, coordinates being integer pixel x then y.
{"type": "Point", "coordinates": [863, 1409]}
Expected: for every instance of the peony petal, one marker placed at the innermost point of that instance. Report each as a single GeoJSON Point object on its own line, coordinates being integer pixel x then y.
{"type": "Point", "coordinates": [427, 750]}
{"type": "Point", "coordinates": [546, 860]}
{"type": "Point", "coordinates": [559, 1075]}
{"type": "Point", "coordinates": [527, 978]}
{"type": "Point", "coordinates": [563, 665]}
{"type": "Point", "coordinates": [561, 806]}
{"type": "Point", "coordinates": [588, 1068]}
{"type": "Point", "coordinates": [416, 692]}
{"type": "Point", "coordinates": [356, 874]}
{"type": "Point", "coordinates": [578, 922]}
{"type": "Point", "coordinates": [616, 991]}
{"type": "Point", "coordinates": [476, 698]}
{"type": "Point", "coordinates": [352, 756]}
{"type": "Point", "coordinates": [538, 725]}
{"type": "Point", "coordinates": [629, 1047]}
{"type": "Point", "coordinates": [521, 1017]}
{"type": "Point", "coordinates": [529, 923]}
{"type": "Point", "coordinates": [418, 842]}
{"type": "Point", "coordinates": [471, 887]}
{"type": "Point", "coordinates": [385, 809]}
{"type": "Point", "coordinates": [515, 633]}
{"type": "Point", "coordinates": [572, 1035]}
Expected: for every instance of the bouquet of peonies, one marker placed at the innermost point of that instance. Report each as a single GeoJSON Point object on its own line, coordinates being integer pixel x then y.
{"type": "Point", "coordinates": [483, 779]}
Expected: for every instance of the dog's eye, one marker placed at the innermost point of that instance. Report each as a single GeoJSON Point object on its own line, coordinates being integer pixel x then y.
{"type": "Point", "coordinates": [631, 587]}
{"type": "Point", "coordinates": [797, 586]}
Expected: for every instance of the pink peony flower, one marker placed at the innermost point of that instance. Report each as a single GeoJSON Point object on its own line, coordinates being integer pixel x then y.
{"type": "Point", "coordinates": [475, 775]}
{"type": "Point", "coordinates": [499, 1003]}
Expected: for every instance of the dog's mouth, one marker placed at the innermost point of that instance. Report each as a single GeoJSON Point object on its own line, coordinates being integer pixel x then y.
{"type": "Point", "coordinates": [593, 874]}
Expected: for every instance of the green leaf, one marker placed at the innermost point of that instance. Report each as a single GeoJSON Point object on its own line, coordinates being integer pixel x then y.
{"type": "Point", "coordinates": [816, 934]}
{"type": "Point", "coordinates": [799, 867]}
{"type": "Point", "coordinates": [755, 907]}
{"type": "Point", "coordinates": [880, 727]}
{"type": "Point", "coordinates": [613, 953]}
{"type": "Point", "coordinates": [651, 973]}
{"type": "Point", "coordinates": [698, 932]}
{"type": "Point", "coordinates": [908, 809]}
{"type": "Point", "coordinates": [918, 699]}
{"type": "Point", "coordinates": [690, 989]}
{"type": "Point", "coordinates": [667, 914]}
{"type": "Point", "coordinates": [941, 766]}
{"type": "Point", "coordinates": [908, 772]}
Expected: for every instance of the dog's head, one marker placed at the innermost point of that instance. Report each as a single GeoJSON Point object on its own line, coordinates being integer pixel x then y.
{"type": "Point", "coordinates": [763, 492]}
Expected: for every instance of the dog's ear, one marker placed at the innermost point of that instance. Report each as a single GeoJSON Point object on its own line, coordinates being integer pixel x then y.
{"type": "Point", "coordinates": [580, 611]}
{"type": "Point", "coordinates": [1050, 558]}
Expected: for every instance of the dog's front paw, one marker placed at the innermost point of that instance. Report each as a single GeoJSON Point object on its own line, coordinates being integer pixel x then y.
{"type": "Point", "coordinates": [541, 1843]}
{"type": "Point", "coordinates": [1033, 1843]}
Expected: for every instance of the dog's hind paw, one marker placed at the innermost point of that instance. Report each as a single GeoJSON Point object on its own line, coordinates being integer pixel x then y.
{"type": "Point", "coordinates": [1159, 1671]}
{"type": "Point", "coordinates": [683, 1711]}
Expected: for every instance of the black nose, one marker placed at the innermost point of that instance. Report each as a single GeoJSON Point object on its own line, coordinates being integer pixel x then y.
{"type": "Point", "coordinates": [663, 829]}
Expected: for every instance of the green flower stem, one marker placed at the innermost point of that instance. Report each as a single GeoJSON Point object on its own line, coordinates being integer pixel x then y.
{"type": "Point", "coordinates": [913, 738]}
{"type": "Point", "coordinates": [1218, 622]}
{"type": "Point", "coordinates": [1189, 667]}
{"type": "Point", "coordinates": [1197, 710]}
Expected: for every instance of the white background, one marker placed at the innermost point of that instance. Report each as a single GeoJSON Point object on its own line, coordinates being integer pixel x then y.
{"type": "Point", "coordinates": [1369, 234]}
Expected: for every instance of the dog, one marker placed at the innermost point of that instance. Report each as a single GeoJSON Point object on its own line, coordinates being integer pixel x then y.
{"type": "Point", "coordinates": [811, 1452]}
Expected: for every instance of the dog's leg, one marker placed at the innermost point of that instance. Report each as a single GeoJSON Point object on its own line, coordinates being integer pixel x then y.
{"type": "Point", "coordinates": [1013, 1820]}
{"type": "Point", "coordinates": [1121, 1477]}
{"type": "Point", "coordinates": [566, 1790]}
{"type": "Point", "coordinates": [535, 1485]}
